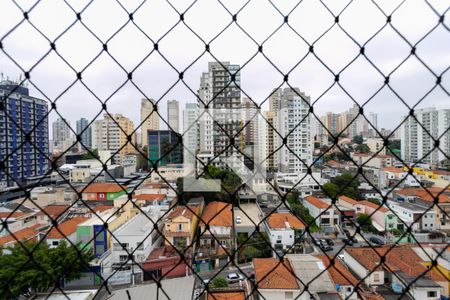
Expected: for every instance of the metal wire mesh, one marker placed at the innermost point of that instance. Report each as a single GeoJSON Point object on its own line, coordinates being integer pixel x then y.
{"type": "Point", "coordinates": [185, 255]}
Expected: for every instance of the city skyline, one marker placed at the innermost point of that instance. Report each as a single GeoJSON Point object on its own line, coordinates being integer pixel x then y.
{"type": "Point", "coordinates": [411, 80]}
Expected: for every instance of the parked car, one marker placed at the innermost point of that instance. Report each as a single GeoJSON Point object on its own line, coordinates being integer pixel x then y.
{"type": "Point", "coordinates": [346, 232]}
{"type": "Point", "coordinates": [347, 241]}
{"type": "Point", "coordinates": [238, 220]}
{"type": "Point", "coordinates": [233, 277]}
{"type": "Point", "coordinates": [326, 248]}
{"type": "Point", "coordinates": [341, 256]}
{"type": "Point", "coordinates": [251, 275]}
{"type": "Point", "coordinates": [376, 241]}
{"type": "Point", "coordinates": [205, 282]}
{"type": "Point", "coordinates": [329, 242]}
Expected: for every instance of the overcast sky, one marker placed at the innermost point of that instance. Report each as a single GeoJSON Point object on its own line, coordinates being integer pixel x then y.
{"type": "Point", "coordinates": [154, 77]}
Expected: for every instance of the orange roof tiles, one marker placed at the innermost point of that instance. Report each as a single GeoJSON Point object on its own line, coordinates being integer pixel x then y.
{"type": "Point", "coordinates": [149, 197]}
{"type": "Point", "coordinates": [226, 295]}
{"type": "Point", "coordinates": [374, 206]}
{"type": "Point", "coordinates": [102, 207]}
{"type": "Point", "coordinates": [217, 214]}
{"type": "Point", "coordinates": [348, 200]}
{"type": "Point", "coordinates": [182, 210]}
{"type": "Point", "coordinates": [9, 214]}
{"type": "Point", "coordinates": [338, 272]}
{"type": "Point", "coordinates": [270, 273]}
{"type": "Point", "coordinates": [317, 202]}
{"type": "Point", "coordinates": [284, 220]}
{"type": "Point", "coordinates": [100, 187]}
{"type": "Point", "coordinates": [25, 234]}
{"type": "Point", "coordinates": [427, 194]}
{"type": "Point", "coordinates": [67, 228]}
{"type": "Point", "coordinates": [394, 170]}
{"type": "Point", "coordinates": [400, 258]}
{"type": "Point", "coordinates": [53, 211]}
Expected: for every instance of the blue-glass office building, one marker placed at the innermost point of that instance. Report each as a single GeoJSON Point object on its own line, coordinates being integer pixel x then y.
{"type": "Point", "coordinates": [24, 141]}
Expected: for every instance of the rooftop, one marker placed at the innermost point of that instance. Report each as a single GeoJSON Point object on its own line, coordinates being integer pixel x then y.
{"type": "Point", "coordinates": [66, 228]}
{"type": "Point", "coordinates": [317, 202]}
{"type": "Point", "coordinates": [310, 269]}
{"type": "Point", "coordinates": [284, 220]}
{"type": "Point", "coordinates": [374, 206]}
{"type": "Point", "coordinates": [226, 295]}
{"type": "Point", "coordinates": [54, 211]}
{"type": "Point", "coordinates": [338, 272]}
{"type": "Point", "coordinates": [398, 259]}
{"type": "Point", "coordinates": [348, 200]}
{"type": "Point", "coordinates": [217, 214]}
{"type": "Point", "coordinates": [248, 212]}
{"type": "Point", "coordinates": [100, 187]}
{"type": "Point", "coordinates": [140, 224]}
{"type": "Point", "coordinates": [271, 273]}
{"type": "Point", "coordinates": [394, 170]}
{"type": "Point", "coordinates": [149, 197]}
{"type": "Point", "coordinates": [25, 234]}
{"type": "Point", "coordinates": [183, 210]}
{"type": "Point", "coordinates": [427, 194]}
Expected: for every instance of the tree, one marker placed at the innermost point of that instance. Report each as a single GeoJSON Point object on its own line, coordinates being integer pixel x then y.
{"type": "Point", "coordinates": [301, 211]}
{"type": "Point", "coordinates": [91, 155]}
{"type": "Point", "coordinates": [358, 139]}
{"type": "Point", "coordinates": [365, 223]}
{"type": "Point", "coordinates": [257, 245]}
{"type": "Point", "coordinates": [45, 270]}
{"type": "Point", "coordinates": [343, 185]}
{"type": "Point", "coordinates": [330, 189]}
{"type": "Point", "coordinates": [219, 282]}
{"type": "Point", "coordinates": [362, 148]}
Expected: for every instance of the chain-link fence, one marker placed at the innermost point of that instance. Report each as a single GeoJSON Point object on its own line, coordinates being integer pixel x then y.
{"type": "Point", "coordinates": [263, 194]}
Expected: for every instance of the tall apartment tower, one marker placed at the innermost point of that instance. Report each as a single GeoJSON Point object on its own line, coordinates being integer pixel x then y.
{"type": "Point", "coordinates": [271, 160]}
{"type": "Point", "coordinates": [21, 115]}
{"type": "Point", "coordinates": [417, 135]}
{"type": "Point", "coordinates": [84, 129]}
{"type": "Point", "coordinates": [112, 133]}
{"type": "Point", "coordinates": [293, 124]}
{"type": "Point", "coordinates": [173, 115]}
{"type": "Point", "coordinates": [359, 125]}
{"type": "Point", "coordinates": [190, 132]}
{"type": "Point", "coordinates": [221, 119]}
{"type": "Point", "coordinates": [62, 135]}
{"type": "Point", "coordinates": [149, 119]}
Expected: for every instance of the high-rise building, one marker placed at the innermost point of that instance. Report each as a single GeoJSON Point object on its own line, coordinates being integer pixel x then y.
{"type": "Point", "coordinates": [173, 115]}
{"type": "Point", "coordinates": [112, 133]}
{"type": "Point", "coordinates": [220, 121]}
{"type": "Point", "coordinates": [417, 135]}
{"type": "Point", "coordinates": [24, 141]}
{"type": "Point", "coordinates": [149, 119]}
{"type": "Point", "coordinates": [294, 136]}
{"type": "Point", "coordinates": [359, 124]}
{"type": "Point", "coordinates": [164, 147]}
{"type": "Point", "coordinates": [84, 129]}
{"type": "Point", "coordinates": [271, 161]}
{"type": "Point", "coordinates": [62, 135]}
{"type": "Point", "coordinates": [190, 132]}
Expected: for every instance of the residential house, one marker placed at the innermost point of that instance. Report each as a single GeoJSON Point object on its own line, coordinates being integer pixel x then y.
{"type": "Point", "coordinates": [414, 215]}
{"type": "Point", "coordinates": [52, 212]}
{"type": "Point", "coordinates": [181, 225]}
{"type": "Point", "coordinates": [247, 218]}
{"type": "Point", "coordinates": [393, 176]}
{"type": "Point", "coordinates": [64, 231]}
{"type": "Point", "coordinates": [401, 268]}
{"type": "Point", "coordinates": [326, 215]}
{"type": "Point", "coordinates": [285, 230]}
{"type": "Point", "coordinates": [103, 191]}
{"type": "Point", "coordinates": [26, 234]}
{"type": "Point", "coordinates": [216, 234]}
{"type": "Point", "coordinates": [165, 261]}
{"type": "Point", "coordinates": [16, 221]}
{"type": "Point", "coordinates": [373, 160]}
{"type": "Point", "coordinates": [343, 279]}
{"type": "Point", "coordinates": [231, 294]}
{"type": "Point", "coordinates": [151, 199]}
{"type": "Point", "coordinates": [275, 279]}
{"type": "Point", "coordinates": [426, 198]}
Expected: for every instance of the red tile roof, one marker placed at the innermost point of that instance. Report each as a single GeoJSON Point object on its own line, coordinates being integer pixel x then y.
{"type": "Point", "coordinates": [284, 220]}
{"type": "Point", "coordinates": [182, 210]}
{"type": "Point", "coordinates": [338, 272]}
{"type": "Point", "coordinates": [348, 200]}
{"type": "Point", "coordinates": [149, 197]}
{"type": "Point", "coordinates": [401, 258]}
{"type": "Point", "coordinates": [100, 187]}
{"type": "Point", "coordinates": [25, 234]}
{"type": "Point", "coordinates": [9, 214]}
{"type": "Point", "coordinates": [319, 203]}
{"type": "Point", "coordinates": [53, 211]}
{"type": "Point", "coordinates": [226, 295]}
{"type": "Point", "coordinates": [394, 170]}
{"type": "Point", "coordinates": [217, 214]}
{"type": "Point", "coordinates": [426, 195]}
{"type": "Point", "coordinates": [270, 273]}
{"type": "Point", "coordinates": [102, 207]}
{"type": "Point", "coordinates": [67, 228]}
{"type": "Point", "coordinates": [374, 206]}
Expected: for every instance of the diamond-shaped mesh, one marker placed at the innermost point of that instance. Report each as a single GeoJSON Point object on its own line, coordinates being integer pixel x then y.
{"type": "Point", "coordinates": [326, 191]}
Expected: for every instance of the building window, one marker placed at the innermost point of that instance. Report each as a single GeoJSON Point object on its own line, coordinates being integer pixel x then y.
{"type": "Point", "coordinates": [432, 294]}
{"type": "Point", "coordinates": [288, 295]}
{"type": "Point", "coordinates": [376, 277]}
{"type": "Point", "coordinates": [180, 227]}
{"type": "Point", "coordinates": [55, 243]}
